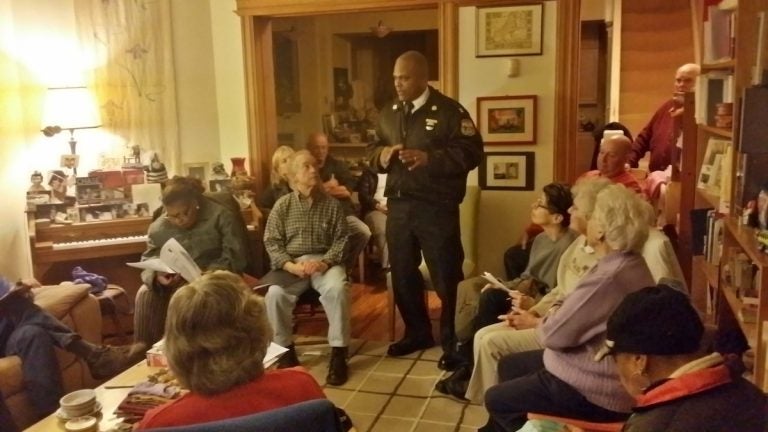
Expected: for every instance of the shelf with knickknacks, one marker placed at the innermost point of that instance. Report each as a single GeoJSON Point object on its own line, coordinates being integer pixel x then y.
{"type": "Point", "coordinates": [219, 180]}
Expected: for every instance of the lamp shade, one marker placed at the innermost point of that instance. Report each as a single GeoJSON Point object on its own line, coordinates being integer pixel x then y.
{"type": "Point", "coordinates": [71, 108]}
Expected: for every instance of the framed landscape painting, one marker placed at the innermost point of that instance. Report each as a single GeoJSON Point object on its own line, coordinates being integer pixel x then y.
{"type": "Point", "coordinates": [506, 120]}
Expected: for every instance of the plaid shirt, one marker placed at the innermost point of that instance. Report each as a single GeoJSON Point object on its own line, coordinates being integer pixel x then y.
{"type": "Point", "coordinates": [298, 226]}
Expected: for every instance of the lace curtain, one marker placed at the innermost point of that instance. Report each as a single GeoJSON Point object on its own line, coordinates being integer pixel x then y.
{"type": "Point", "coordinates": [131, 46]}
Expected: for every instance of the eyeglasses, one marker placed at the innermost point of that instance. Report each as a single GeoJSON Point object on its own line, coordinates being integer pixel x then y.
{"type": "Point", "coordinates": [539, 203]}
{"type": "Point", "coordinates": [182, 215]}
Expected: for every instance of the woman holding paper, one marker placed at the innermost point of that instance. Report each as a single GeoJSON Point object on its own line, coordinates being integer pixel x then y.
{"type": "Point", "coordinates": [564, 379]}
{"type": "Point", "coordinates": [208, 231]}
{"type": "Point", "coordinates": [217, 335]}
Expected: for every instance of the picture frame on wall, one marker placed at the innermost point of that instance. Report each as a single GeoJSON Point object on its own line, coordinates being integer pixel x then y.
{"type": "Point", "coordinates": [508, 171]}
{"type": "Point", "coordinates": [509, 30]}
{"type": "Point", "coordinates": [198, 170]}
{"type": "Point", "coordinates": [507, 120]}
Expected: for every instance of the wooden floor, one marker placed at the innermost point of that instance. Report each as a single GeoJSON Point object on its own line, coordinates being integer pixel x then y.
{"type": "Point", "coordinates": [369, 314]}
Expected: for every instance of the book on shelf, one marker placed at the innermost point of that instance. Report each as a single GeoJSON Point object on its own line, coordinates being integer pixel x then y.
{"type": "Point", "coordinates": [712, 89]}
{"type": "Point", "coordinates": [718, 32]}
{"type": "Point", "coordinates": [711, 171]}
{"type": "Point", "coordinates": [713, 249]}
{"type": "Point", "coordinates": [748, 311]}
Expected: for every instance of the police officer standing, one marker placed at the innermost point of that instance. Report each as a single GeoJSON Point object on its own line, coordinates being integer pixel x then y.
{"type": "Point", "coordinates": [427, 144]}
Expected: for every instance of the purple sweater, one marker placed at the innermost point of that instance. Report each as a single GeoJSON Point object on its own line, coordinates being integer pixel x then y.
{"type": "Point", "coordinates": [575, 332]}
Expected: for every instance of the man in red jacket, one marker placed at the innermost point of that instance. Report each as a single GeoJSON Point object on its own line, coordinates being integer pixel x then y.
{"type": "Point", "coordinates": [661, 133]}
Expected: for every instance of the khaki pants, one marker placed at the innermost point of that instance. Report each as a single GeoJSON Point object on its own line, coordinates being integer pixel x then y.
{"type": "Point", "coordinates": [491, 344]}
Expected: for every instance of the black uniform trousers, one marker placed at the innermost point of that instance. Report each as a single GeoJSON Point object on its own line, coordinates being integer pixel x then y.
{"type": "Point", "coordinates": [415, 227]}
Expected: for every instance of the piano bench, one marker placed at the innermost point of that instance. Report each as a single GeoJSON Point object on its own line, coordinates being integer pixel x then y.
{"type": "Point", "coordinates": [117, 309]}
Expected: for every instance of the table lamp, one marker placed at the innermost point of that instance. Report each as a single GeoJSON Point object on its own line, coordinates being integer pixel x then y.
{"type": "Point", "coordinates": [69, 108]}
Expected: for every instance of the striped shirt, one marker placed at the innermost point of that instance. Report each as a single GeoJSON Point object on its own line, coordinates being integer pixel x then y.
{"type": "Point", "coordinates": [299, 226]}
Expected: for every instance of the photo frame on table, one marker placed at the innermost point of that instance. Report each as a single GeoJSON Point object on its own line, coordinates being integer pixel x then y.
{"type": "Point", "coordinates": [198, 170]}
{"type": "Point", "coordinates": [509, 30]}
{"type": "Point", "coordinates": [508, 171]}
{"type": "Point", "coordinates": [507, 120]}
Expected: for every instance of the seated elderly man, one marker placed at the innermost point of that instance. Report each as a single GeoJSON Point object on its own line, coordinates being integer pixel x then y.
{"type": "Point", "coordinates": [32, 333]}
{"type": "Point", "coordinates": [612, 162]}
{"type": "Point", "coordinates": [661, 133]}
{"type": "Point", "coordinates": [339, 183]}
{"type": "Point", "coordinates": [305, 237]}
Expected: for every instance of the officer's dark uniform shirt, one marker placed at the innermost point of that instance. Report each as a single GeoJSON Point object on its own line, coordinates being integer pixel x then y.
{"type": "Point", "coordinates": [442, 128]}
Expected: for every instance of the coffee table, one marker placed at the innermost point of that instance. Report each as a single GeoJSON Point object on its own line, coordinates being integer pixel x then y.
{"type": "Point", "coordinates": [109, 394]}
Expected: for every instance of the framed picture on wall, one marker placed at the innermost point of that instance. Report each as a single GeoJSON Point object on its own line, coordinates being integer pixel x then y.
{"type": "Point", "coordinates": [505, 120]}
{"type": "Point", "coordinates": [509, 30]}
{"type": "Point", "coordinates": [508, 171]}
{"type": "Point", "coordinates": [198, 170]}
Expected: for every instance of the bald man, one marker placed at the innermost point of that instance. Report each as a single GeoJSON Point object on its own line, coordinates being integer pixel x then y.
{"type": "Point", "coordinates": [428, 144]}
{"type": "Point", "coordinates": [615, 151]}
{"type": "Point", "coordinates": [661, 133]}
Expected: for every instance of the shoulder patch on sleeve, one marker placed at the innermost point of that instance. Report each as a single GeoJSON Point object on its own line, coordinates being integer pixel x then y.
{"type": "Point", "coordinates": [467, 127]}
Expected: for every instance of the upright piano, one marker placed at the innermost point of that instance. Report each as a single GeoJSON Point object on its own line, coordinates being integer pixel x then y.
{"type": "Point", "coordinates": [101, 247]}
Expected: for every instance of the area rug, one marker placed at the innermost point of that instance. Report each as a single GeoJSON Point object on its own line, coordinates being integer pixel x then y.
{"type": "Point", "coordinates": [391, 394]}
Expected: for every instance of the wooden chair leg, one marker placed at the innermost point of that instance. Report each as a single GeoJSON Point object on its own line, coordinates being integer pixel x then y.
{"type": "Point", "coordinates": [361, 265]}
{"type": "Point", "coordinates": [391, 308]}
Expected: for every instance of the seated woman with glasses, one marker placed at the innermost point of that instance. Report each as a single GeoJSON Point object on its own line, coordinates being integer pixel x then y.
{"type": "Point", "coordinates": [210, 232]}
{"type": "Point", "coordinates": [217, 335]}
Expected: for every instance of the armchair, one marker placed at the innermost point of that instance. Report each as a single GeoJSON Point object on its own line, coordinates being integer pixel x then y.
{"type": "Point", "coordinates": [75, 307]}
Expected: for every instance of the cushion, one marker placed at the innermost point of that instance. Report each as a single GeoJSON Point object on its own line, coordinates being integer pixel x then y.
{"type": "Point", "coordinates": [59, 299]}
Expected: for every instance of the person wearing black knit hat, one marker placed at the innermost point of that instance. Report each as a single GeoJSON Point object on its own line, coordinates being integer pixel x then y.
{"type": "Point", "coordinates": [654, 336]}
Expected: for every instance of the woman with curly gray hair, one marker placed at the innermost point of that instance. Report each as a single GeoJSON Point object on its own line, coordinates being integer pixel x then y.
{"type": "Point", "coordinates": [564, 380]}
{"type": "Point", "coordinates": [217, 335]}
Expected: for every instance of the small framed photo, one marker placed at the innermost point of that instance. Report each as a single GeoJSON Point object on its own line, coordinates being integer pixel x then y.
{"type": "Point", "coordinates": [509, 30]}
{"type": "Point", "coordinates": [198, 170]}
{"type": "Point", "coordinates": [508, 171]}
{"type": "Point", "coordinates": [507, 120]}
{"type": "Point", "coordinates": [69, 161]}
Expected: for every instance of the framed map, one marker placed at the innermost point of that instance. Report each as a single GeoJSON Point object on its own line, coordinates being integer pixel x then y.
{"type": "Point", "coordinates": [509, 30]}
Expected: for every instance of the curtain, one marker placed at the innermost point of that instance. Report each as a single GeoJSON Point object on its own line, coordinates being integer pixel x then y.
{"type": "Point", "coordinates": [130, 44]}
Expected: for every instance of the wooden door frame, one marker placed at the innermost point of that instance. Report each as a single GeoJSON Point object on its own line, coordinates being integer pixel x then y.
{"type": "Point", "coordinates": [256, 22]}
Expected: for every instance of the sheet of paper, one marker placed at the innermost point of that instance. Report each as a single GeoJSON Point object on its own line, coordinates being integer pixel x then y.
{"type": "Point", "coordinates": [176, 257]}
{"type": "Point", "coordinates": [274, 351]}
{"type": "Point", "coordinates": [494, 281]}
{"type": "Point", "coordinates": [155, 264]}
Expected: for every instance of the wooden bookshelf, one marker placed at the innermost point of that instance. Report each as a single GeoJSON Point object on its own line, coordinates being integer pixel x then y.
{"type": "Point", "coordinates": [709, 199]}
{"type": "Point", "coordinates": [726, 65]}
{"type": "Point", "coordinates": [737, 239]}
{"type": "Point", "coordinates": [720, 132]}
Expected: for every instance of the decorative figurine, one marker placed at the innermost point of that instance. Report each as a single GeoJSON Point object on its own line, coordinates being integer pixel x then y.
{"type": "Point", "coordinates": [37, 182]}
{"type": "Point", "coordinates": [238, 167]}
{"type": "Point", "coordinates": [218, 172]}
{"type": "Point", "coordinates": [156, 172]}
{"type": "Point", "coordinates": [762, 208]}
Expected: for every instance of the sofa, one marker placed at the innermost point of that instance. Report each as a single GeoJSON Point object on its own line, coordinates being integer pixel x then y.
{"type": "Point", "coordinates": [75, 307]}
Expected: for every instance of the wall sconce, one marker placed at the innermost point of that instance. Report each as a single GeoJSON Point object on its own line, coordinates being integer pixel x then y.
{"type": "Point", "coordinates": [69, 108]}
{"type": "Point", "coordinates": [381, 30]}
{"type": "Point", "coordinates": [513, 67]}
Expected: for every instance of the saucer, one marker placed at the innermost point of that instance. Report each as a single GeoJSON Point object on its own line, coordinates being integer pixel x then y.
{"type": "Point", "coordinates": [63, 416]}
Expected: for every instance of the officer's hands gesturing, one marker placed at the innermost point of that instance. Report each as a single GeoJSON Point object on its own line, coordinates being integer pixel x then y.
{"type": "Point", "coordinates": [386, 155]}
{"type": "Point", "coordinates": [413, 158]}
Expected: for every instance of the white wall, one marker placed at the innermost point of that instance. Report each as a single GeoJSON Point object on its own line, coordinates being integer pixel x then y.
{"type": "Point", "coordinates": [196, 103]}
{"type": "Point", "coordinates": [504, 214]}
{"type": "Point", "coordinates": [37, 50]}
{"type": "Point", "coordinates": [230, 80]}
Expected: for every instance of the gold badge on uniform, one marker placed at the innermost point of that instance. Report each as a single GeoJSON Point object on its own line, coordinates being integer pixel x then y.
{"type": "Point", "coordinates": [430, 123]}
{"type": "Point", "coordinates": [467, 127]}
